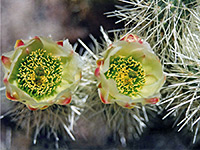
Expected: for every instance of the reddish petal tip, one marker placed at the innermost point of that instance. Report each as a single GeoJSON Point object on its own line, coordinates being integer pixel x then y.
{"type": "Point", "coordinates": [6, 61]}
{"type": "Point", "coordinates": [9, 96]}
{"type": "Point", "coordinates": [132, 38]}
{"type": "Point", "coordinates": [36, 37]}
{"type": "Point", "coordinates": [103, 99]}
{"type": "Point", "coordinates": [99, 85]}
{"type": "Point", "coordinates": [100, 62]}
{"type": "Point", "coordinates": [152, 100]}
{"type": "Point", "coordinates": [66, 100]}
{"type": "Point", "coordinates": [44, 107]}
{"type": "Point", "coordinates": [31, 108]}
{"type": "Point", "coordinates": [5, 81]}
{"type": "Point", "coordinates": [19, 43]}
{"type": "Point", "coordinates": [129, 106]}
{"type": "Point", "coordinates": [97, 72]}
{"type": "Point", "coordinates": [60, 43]}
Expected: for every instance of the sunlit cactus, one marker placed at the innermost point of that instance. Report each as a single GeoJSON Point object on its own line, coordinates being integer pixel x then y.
{"type": "Point", "coordinates": [183, 84]}
{"type": "Point", "coordinates": [172, 27]}
{"type": "Point", "coordinates": [57, 121]}
{"type": "Point", "coordinates": [161, 22]}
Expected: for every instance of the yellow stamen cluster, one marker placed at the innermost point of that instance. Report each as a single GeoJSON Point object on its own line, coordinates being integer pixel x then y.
{"type": "Point", "coordinates": [127, 73]}
{"type": "Point", "coordinates": [39, 74]}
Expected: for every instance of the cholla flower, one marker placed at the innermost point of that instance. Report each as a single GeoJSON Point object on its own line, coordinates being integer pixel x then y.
{"type": "Point", "coordinates": [52, 71]}
{"type": "Point", "coordinates": [129, 73]}
{"type": "Point", "coordinates": [125, 124]}
{"type": "Point", "coordinates": [183, 84]}
{"type": "Point", "coordinates": [161, 22]}
{"type": "Point", "coordinates": [40, 72]}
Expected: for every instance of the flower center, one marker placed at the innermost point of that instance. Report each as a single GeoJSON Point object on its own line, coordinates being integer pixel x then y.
{"type": "Point", "coordinates": [127, 73]}
{"type": "Point", "coordinates": [39, 74]}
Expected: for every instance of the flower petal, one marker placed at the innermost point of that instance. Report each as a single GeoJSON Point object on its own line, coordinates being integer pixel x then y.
{"type": "Point", "coordinates": [65, 101]}
{"type": "Point", "coordinates": [31, 108]}
{"type": "Point", "coordinates": [132, 38]}
{"type": "Point", "coordinates": [11, 97]}
{"type": "Point", "coordinates": [126, 105]}
{"type": "Point", "coordinates": [60, 43]}
{"type": "Point", "coordinates": [100, 62]}
{"type": "Point", "coordinates": [5, 81]}
{"type": "Point", "coordinates": [44, 107]}
{"type": "Point", "coordinates": [19, 43]}
{"type": "Point", "coordinates": [64, 97]}
{"type": "Point", "coordinates": [107, 55]}
{"type": "Point", "coordinates": [6, 61]}
{"type": "Point", "coordinates": [97, 72]}
{"type": "Point", "coordinates": [53, 48]}
{"type": "Point", "coordinates": [153, 100]}
{"type": "Point", "coordinates": [104, 96]}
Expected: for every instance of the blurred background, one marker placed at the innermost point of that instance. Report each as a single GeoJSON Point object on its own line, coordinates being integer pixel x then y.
{"type": "Point", "coordinates": [73, 19]}
{"type": "Point", "coordinates": [60, 19]}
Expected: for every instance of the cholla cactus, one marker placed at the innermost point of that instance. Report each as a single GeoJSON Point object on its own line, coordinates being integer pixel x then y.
{"type": "Point", "coordinates": [172, 28]}
{"type": "Point", "coordinates": [124, 113]}
{"type": "Point", "coordinates": [43, 75]}
{"type": "Point", "coordinates": [56, 121]}
{"type": "Point", "coordinates": [161, 22]}
{"type": "Point", "coordinates": [183, 88]}
{"type": "Point", "coordinates": [40, 72]}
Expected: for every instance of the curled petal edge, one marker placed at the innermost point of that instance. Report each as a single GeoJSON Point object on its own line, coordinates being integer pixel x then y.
{"type": "Point", "coordinates": [18, 43]}
{"type": "Point", "coordinates": [60, 43]}
{"type": "Point", "coordinates": [103, 97]}
{"type": "Point", "coordinates": [100, 62]}
{"type": "Point", "coordinates": [129, 106]}
{"type": "Point", "coordinates": [132, 38]}
{"type": "Point", "coordinates": [66, 100]}
{"type": "Point", "coordinates": [97, 72]}
{"type": "Point", "coordinates": [6, 61]}
{"type": "Point", "coordinates": [153, 100]}
{"type": "Point", "coordinates": [31, 108]}
{"type": "Point", "coordinates": [12, 97]}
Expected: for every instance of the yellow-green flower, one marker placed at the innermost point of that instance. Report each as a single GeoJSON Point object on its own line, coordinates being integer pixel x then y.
{"type": "Point", "coordinates": [129, 73]}
{"type": "Point", "coordinates": [41, 72]}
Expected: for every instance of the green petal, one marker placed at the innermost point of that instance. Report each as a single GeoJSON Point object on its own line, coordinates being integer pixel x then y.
{"type": "Point", "coordinates": [71, 69]}
{"type": "Point", "coordinates": [134, 49]}
{"type": "Point", "coordinates": [51, 47]}
{"type": "Point", "coordinates": [111, 52]}
{"type": "Point", "coordinates": [149, 90]}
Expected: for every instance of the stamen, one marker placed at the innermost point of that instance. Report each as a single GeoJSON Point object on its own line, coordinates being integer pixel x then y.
{"type": "Point", "coordinates": [39, 74]}
{"type": "Point", "coordinates": [127, 73]}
